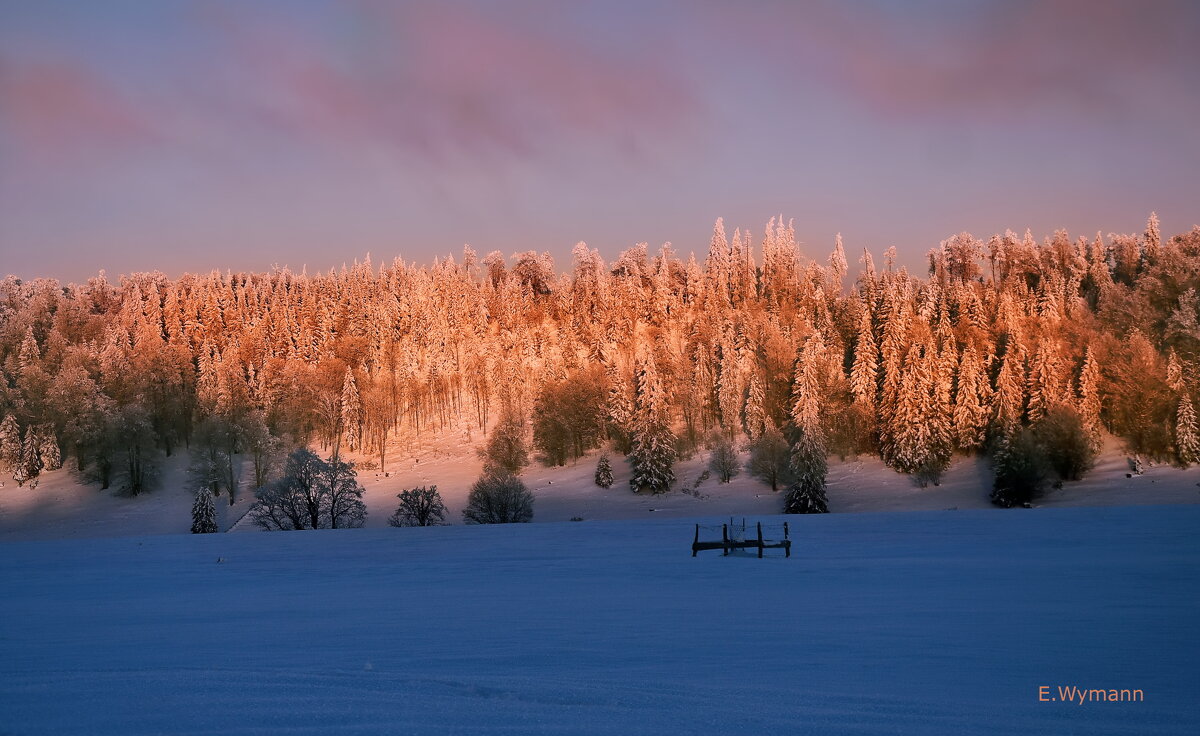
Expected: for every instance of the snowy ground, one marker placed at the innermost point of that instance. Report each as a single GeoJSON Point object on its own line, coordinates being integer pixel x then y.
{"type": "Point", "coordinates": [926, 622]}
{"type": "Point", "coordinates": [61, 507]}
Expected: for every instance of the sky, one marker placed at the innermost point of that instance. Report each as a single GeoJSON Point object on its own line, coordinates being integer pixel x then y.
{"type": "Point", "coordinates": [189, 135]}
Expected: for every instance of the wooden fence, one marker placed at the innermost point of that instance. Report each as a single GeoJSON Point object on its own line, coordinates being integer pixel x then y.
{"type": "Point", "coordinates": [731, 541]}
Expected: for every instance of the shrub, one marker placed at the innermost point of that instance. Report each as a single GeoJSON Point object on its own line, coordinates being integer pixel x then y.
{"type": "Point", "coordinates": [724, 459]}
{"type": "Point", "coordinates": [1066, 444]}
{"type": "Point", "coordinates": [419, 507]}
{"type": "Point", "coordinates": [1021, 469]}
{"type": "Point", "coordinates": [498, 498]}
{"type": "Point", "coordinates": [505, 451]}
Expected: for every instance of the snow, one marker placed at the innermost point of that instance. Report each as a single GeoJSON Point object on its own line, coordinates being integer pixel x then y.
{"type": "Point", "coordinates": [925, 622]}
{"type": "Point", "coordinates": [62, 507]}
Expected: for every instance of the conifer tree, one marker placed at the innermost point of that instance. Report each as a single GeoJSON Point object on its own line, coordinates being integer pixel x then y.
{"type": "Point", "coordinates": [1089, 395]}
{"type": "Point", "coordinates": [971, 400]}
{"type": "Point", "coordinates": [1044, 380]}
{"type": "Point", "coordinates": [204, 513]}
{"type": "Point", "coordinates": [864, 372]}
{"type": "Point", "coordinates": [837, 262]}
{"type": "Point", "coordinates": [808, 463]}
{"type": "Point", "coordinates": [756, 413]}
{"type": "Point", "coordinates": [352, 411]}
{"type": "Point", "coordinates": [1009, 405]}
{"type": "Point", "coordinates": [29, 466]}
{"type": "Point", "coordinates": [653, 452]}
{"type": "Point", "coordinates": [604, 473]}
{"type": "Point", "coordinates": [48, 450]}
{"type": "Point", "coordinates": [10, 443]}
{"type": "Point", "coordinates": [1187, 435]}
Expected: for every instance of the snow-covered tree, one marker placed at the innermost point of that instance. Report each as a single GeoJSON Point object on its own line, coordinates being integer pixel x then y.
{"type": "Point", "coordinates": [204, 513]}
{"type": "Point", "coordinates": [604, 472]}
{"type": "Point", "coordinates": [653, 452]}
{"type": "Point", "coordinates": [864, 372]}
{"type": "Point", "coordinates": [1089, 395]}
{"type": "Point", "coordinates": [756, 412]}
{"type": "Point", "coordinates": [972, 400]}
{"type": "Point", "coordinates": [352, 411]}
{"type": "Point", "coordinates": [48, 449]}
{"type": "Point", "coordinates": [808, 463]}
{"type": "Point", "coordinates": [10, 443]}
{"type": "Point", "coordinates": [1187, 434]}
{"type": "Point", "coordinates": [29, 466]}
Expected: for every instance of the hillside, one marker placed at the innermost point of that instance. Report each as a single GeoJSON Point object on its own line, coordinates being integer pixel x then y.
{"type": "Point", "coordinates": [929, 622]}
{"type": "Point", "coordinates": [63, 507]}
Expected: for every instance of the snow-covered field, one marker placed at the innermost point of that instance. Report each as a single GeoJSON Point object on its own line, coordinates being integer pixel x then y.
{"type": "Point", "coordinates": [925, 622]}
{"type": "Point", "coordinates": [62, 507]}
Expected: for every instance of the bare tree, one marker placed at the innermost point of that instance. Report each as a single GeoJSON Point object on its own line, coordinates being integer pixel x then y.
{"type": "Point", "coordinates": [311, 494]}
{"type": "Point", "coordinates": [419, 507]}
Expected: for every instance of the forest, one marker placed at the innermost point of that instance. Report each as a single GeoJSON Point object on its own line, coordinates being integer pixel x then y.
{"type": "Point", "coordinates": [1026, 350]}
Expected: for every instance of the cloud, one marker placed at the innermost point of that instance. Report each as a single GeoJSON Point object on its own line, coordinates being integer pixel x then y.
{"type": "Point", "coordinates": [55, 108]}
{"type": "Point", "coordinates": [430, 82]}
{"type": "Point", "coordinates": [1001, 56]}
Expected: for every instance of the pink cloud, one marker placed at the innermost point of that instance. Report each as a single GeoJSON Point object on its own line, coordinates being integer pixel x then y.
{"type": "Point", "coordinates": [58, 107]}
{"type": "Point", "coordinates": [427, 81]}
{"type": "Point", "coordinates": [1004, 56]}
{"type": "Point", "coordinates": [440, 80]}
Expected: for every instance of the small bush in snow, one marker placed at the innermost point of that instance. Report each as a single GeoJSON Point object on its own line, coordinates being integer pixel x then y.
{"type": "Point", "coordinates": [724, 459]}
{"type": "Point", "coordinates": [419, 507]}
{"type": "Point", "coordinates": [498, 498]}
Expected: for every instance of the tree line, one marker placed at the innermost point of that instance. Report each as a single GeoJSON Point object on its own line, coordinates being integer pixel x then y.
{"type": "Point", "coordinates": [1003, 345]}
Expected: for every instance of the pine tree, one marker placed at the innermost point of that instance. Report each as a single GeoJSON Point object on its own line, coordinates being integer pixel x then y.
{"type": "Point", "coordinates": [1152, 241]}
{"type": "Point", "coordinates": [808, 457]}
{"type": "Point", "coordinates": [352, 410]}
{"type": "Point", "coordinates": [1044, 380]}
{"type": "Point", "coordinates": [48, 450]}
{"type": "Point", "coordinates": [653, 452]}
{"type": "Point", "coordinates": [604, 473]}
{"type": "Point", "coordinates": [756, 413]}
{"type": "Point", "coordinates": [972, 400]}
{"type": "Point", "coordinates": [1089, 396]}
{"type": "Point", "coordinates": [1009, 405]}
{"type": "Point", "coordinates": [29, 354]}
{"type": "Point", "coordinates": [1187, 435]}
{"type": "Point", "coordinates": [864, 372]}
{"type": "Point", "coordinates": [1174, 372]}
{"type": "Point", "coordinates": [10, 443]}
{"type": "Point", "coordinates": [920, 426]}
{"type": "Point", "coordinates": [29, 466]}
{"type": "Point", "coordinates": [837, 262]}
{"type": "Point", "coordinates": [204, 513]}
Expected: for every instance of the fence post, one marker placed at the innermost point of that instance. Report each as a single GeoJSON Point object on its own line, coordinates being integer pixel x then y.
{"type": "Point", "coordinates": [760, 540]}
{"type": "Point", "coordinates": [696, 541]}
{"type": "Point", "coordinates": [787, 549]}
{"type": "Point", "coordinates": [724, 540]}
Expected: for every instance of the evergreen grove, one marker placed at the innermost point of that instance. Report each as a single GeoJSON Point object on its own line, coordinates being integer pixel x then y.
{"type": "Point", "coordinates": [652, 353]}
